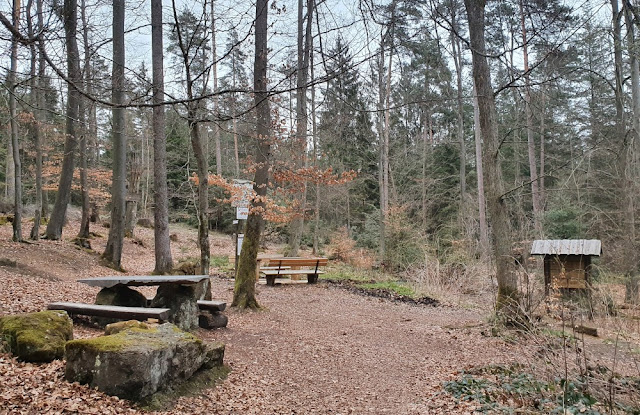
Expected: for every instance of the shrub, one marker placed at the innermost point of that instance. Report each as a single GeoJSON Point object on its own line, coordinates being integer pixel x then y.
{"type": "Point", "coordinates": [404, 244]}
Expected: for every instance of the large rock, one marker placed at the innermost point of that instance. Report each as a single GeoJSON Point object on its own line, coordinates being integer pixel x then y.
{"type": "Point", "coordinates": [181, 299]}
{"type": "Point", "coordinates": [212, 320]}
{"type": "Point", "coordinates": [136, 363]}
{"type": "Point", "coordinates": [119, 295]}
{"type": "Point", "coordinates": [37, 337]}
{"type": "Point", "coordinates": [117, 327]}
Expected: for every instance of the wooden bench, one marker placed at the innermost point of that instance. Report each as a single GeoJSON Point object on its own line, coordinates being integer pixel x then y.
{"type": "Point", "coordinates": [287, 266]}
{"type": "Point", "coordinates": [212, 305]}
{"type": "Point", "coordinates": [135, 313]}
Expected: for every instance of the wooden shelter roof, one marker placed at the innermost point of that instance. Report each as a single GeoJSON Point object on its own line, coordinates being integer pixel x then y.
{"type": "Point", "coordinates": [567, 247]}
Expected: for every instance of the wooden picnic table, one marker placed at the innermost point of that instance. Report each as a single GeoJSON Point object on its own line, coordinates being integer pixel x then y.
{"type": "Point", "coordinates": [175, 292]}
{"type": "Point", "coordinates": [143, 280]}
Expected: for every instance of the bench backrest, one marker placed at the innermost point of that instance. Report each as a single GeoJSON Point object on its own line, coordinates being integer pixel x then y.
{"type": "Point", "coordinates": [298, 262]}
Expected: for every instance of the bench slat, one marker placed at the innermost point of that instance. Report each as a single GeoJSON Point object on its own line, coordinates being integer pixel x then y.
{"type": "Point", "coordinates": [212, 305]}
{"type": "Point", "coordinates": [136, 313]}
{"type": "Point", "coordinates": [282, 262]}
{"type": "Point", "coordinates": [291, 272]}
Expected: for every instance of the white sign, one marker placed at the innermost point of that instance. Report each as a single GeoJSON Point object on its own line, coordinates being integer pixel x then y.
{"type": "Point", "coordinates": [242, 212]}
{"type": "Point", "coordinates": [240, 240]}
{"type": "Point", "coordinates": [245, 188]}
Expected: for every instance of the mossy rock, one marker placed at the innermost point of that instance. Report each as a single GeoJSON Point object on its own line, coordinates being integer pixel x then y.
{"type": "Point", "coordinates": [119, 326]}
{"type": "Point", "coordinates": [137, 362]}
{"type": "Point", "coordinates": [37, 337]}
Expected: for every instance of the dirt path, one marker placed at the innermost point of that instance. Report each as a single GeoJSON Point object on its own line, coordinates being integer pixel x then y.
{"type": "Point", "coordinates": [313, 350]}
{"type": "Point", "coordinates": [323, 350]}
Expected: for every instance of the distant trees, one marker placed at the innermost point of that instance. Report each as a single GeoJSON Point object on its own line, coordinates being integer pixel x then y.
{"type": "Point", "coordinates": [392, 98]}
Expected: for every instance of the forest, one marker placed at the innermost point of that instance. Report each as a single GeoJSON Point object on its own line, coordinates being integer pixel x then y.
{"type": "Point", "coordinates": [421, 130]}
{"type": "Point", "coordinates": [422, 146]}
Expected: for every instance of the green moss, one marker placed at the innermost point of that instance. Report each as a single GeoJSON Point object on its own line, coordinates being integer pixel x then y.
{"type": "Point", "coordinates": [394, 286]}
{"type": "Point", "coordinates": [128, 338]}
{"type": "Point", "coordinates": [201, 380]}
{"type": "Point", "coordinates": [37, 337]}
{"type": "Point", "coordinates": [4, 220]}
{"type": "Point", "coordinates": [112, 343]}
{"type": "Point", "coordinates": [346, 274]}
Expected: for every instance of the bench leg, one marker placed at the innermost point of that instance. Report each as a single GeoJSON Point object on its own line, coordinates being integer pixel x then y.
{"type": "Point", "coordinates": [271, 280]}
{"type": "Point", "coordinates": [312, 278]}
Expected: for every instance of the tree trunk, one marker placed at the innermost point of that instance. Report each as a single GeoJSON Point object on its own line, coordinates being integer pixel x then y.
{"type": "Point", "coordinates": [113, 250]}
{"type": "Point", "coordinates": [508, 299]}
{"type": "Point", "coordinates": [244, 291]}
{"type": "Point", "coordinates": [457, 60]}
{"type": "Point", "coordinates": [316, 155]}
{"type": "Point", "coordinates": [83, 234]}
{"type": "Point", "coordinates": [531, 145]}
{"type": "Point", "coordinates": [193, 114]}
{"type": "Point", "coordinates": [54, 227]}
{"type": "Point", "coordinates": [630, 262]}
{"type": "Point", "coordinates": [304, 48]}
{"type": "Point", "coordinates": [162, 243]}
{"type": "Point", "coordinates": [15, 146]}
{"type": "Point", "coordinates": [35, 95]}
{"type": "Point", "coordinates": [542, 191]}
{"type": "Point", "coordinates": [9, 190]}
{"type": "Point", "coordinates": [203, 191]}
{"type": "Point", "coordinates": [482, 204]}
{"type": "Point", "coordinates": [216, 101]}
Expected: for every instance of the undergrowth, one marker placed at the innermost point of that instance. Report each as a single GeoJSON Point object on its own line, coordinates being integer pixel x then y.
{"type": "Point", "coordinates": [508, 390]}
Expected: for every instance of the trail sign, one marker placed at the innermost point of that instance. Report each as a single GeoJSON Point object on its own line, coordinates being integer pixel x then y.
{"type": "Point", "coordinates": [245, 188]}
{"type": "Point", "coordinates": [242, 212]}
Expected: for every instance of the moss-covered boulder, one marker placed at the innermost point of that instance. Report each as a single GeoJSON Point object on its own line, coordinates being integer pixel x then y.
{"type": "Point", "coordinates": [137, 362]}
{"type": "Point", "coordinates": [115, 328]}
{"type": "Point", "coordinates": [37, 337]}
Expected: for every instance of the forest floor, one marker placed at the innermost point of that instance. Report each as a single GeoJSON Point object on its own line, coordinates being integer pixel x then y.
{"type": "Point", "coordinates": [312, 349]}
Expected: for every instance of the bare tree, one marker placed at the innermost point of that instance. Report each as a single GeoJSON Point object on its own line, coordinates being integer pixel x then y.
{"type": "Point", "coordinates": [162, 247]}
{"type": "Point", "coordinates": [15, 146]}
{"type": "Point", "coordinates": [70, 17]}
{"type": "Point", "coordinates": [189, 48]}
{"type": "Point", "coordinates": [531, 146]}
{"type": "Point", "coordinates": [629, 159]}
{"type": "Point", "coordinates": [37, 99]}
{"type": "Point", "coordinates": [507, 303]}
{"type": "Point", "coordinates": [113, 250]}
{"type": "Point", "coordinates": [302, 117]}
{"type": "Point", "coordinates": [244, 293]}
{"type": "Point", "coordinates": [216, 99]}
{"type": "Point", "coordinates": [83, 233]}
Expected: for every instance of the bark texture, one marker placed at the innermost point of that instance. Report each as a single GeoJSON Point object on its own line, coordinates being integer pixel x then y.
{"type": "Point", "coordinates": [163, 259]}
{"type": "Point", "coordinates": [244, 293]}
{"type": "Point", "coordinates": [113, 250]}
{"type": "Point", "coordinates": [507, 302]}
{"type": "Point", "coordinates": [54, 227]}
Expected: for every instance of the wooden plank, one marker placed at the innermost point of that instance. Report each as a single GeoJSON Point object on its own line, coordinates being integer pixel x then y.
{"type": "Point", "coordinates": [212, 305]}
{"type": "Point", "coordinates": [299, 262]}
{"type": "Point", "coordinates": [143, 280]}
{"type": "Point", "coordinates": [586, 330]}
{"type": "Point", "coordinates": [136, 313]}
{"type": "Point", "coordinates": [283, 267]}
{"type": "Point", "coordinates": [291, 272]}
